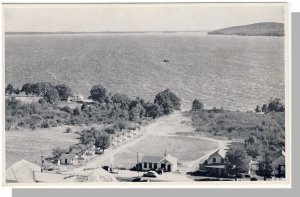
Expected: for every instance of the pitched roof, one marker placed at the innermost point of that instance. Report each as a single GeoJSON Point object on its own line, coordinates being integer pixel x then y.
{"type": "Point", "coordinates": [97, 175]}
{"type": "Point", "coordinates": [158, 159]}
{"type": "Point", "coordinates": [278, 154]}
{"type": "Point", "coordinates": [152, 159]}
{"type": "Point", "coordinates": [21, 172]}
{"type": "Point", "coordinates": [171, 159]}
{"type": "Point", "coordinates": [68, 156]}
{"type": "Point", "coordinates": [53, 178]}
{"type": "Point", "coordinates": [218, 152]}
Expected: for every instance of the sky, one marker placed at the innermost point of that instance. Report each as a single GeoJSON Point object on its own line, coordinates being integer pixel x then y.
{"type": "Point", "coordinates": [136, 17]}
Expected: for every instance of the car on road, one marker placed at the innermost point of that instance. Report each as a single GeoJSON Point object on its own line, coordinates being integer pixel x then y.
{"type": "Point", "coordinates": [151, 174]}
{"type": "Point", "coordinates": [139, 179]}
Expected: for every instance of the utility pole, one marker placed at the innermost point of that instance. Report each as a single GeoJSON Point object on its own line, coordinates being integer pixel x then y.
{"type": "Point", "coordinates": [137, 163]}
{"type": "Point", "coordinates": [42, 161]}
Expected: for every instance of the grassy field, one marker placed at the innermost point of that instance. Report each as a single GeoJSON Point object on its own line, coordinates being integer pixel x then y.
{"type": "Point", "coordinates": [29, 145]}
{"type": "Point", "coordinates": [186, 149]}
{"type": "Point", "coordinates": [27, 99]}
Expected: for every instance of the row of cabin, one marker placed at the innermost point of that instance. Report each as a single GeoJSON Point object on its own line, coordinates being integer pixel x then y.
{"type": "Point", "coordinates": [215, 165]}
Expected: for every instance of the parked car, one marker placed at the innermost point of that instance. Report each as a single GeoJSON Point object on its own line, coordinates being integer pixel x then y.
{"type": "Point", "coordinates": [98, 151]}
{"type": "Point", "coordinates": [253, 179]}
{"type": "Point", "coordinates": [139, 179]}
{"type": "Point", "coordinates": [114, 170]}
{"type": "Point", "coordinates": [151, 173]}
{"type": "Point", "coordinates": [247, 176]}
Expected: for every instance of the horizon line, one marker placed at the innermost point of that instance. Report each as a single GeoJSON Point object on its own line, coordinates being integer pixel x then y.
{"type": "Point", "coordinates": [91, 32]}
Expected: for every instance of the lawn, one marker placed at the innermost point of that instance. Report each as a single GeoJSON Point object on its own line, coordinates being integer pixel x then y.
{"type": "Point", "coordinates": [186, 149]}
{"type": "Point", "coordinates": [30, 144]}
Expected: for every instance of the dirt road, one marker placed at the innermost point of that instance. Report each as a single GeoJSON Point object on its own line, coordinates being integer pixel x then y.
{"type": "Point", "coordinates": [164, 126]}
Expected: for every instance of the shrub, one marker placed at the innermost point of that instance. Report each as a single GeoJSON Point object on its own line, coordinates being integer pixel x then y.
{"type": "Point", "coordinates": [197, 105]}
{"type": "Point", "coordinates": [68, 130]}
{"type": "Point", "coordinates": [67, 109]}
{"type": "Point", "coordinates": [52, 123]}
{"type": "Point", "coordinates": [45, 124]}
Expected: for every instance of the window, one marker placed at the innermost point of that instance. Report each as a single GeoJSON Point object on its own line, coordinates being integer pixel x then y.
{"type": "Point", "coordinates": [214, 160]}
{"type": "Point", "coordinates": [145, 165]}
{"type": "Point", "coordinates": [155, 165]}
{"type": "Point", "coordinates": [222, 160]}
{"type": "Point", "coordinates": [150, 165]}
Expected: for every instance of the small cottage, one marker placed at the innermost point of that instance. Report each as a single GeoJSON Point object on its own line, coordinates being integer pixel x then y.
{"type": "Point", "coordinates": [69, 159]}
{"type": "Point", "coordinates": [168, 163]}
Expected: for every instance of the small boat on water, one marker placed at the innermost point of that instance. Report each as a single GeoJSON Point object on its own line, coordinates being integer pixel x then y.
{"type": "Point", "coordinates": [166, 60]}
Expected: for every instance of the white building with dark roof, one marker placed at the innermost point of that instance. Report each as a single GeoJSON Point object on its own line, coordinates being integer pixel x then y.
{"type": "Point", "coordinates": [168, 163]}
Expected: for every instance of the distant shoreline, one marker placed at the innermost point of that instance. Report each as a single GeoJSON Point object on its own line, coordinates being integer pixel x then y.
{"type": "Point", "coordinates": [104, 32]}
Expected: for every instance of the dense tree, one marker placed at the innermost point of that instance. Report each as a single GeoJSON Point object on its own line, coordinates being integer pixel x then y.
{"type": "Point", "coordinates": [57, 152]}
{"type": "Point", "coordinates": [197, 105]}
{"type": "Point", "coordinates": [264, 108]}
{"type": "Point", "coordinates": [64, 92]}
{"type": "Point", "coordinates": [168, 100]}
{"type": "Point", "coordinates": [237, 161]}
{"type": "Point", "coordinates": [258, 109]}
{"type": "Point", "coordinates": [265, 164]}
{"type": "Point", "coordinates": [254, 149]}
{"type": "Point", "coordinates": [51, 95]}
{"type": "Point", "coordinates": [9, 89]}
{"type": "Point", "coordinates": [275, 105]}
{"type": "Point", "coordinates": [87, 137]}
{"type": "Point", "coordinates": [153, 110]}
{"type": "Point", "coordinates": [84, 106]}
{"type": "Point", "coordinates": [76, 111]}
{"type": "Point", "coordinates": [98, 93]}
{"type": "Point", "coordinates": [27, 88]}
{"type": "Point", "coordinates": [67, 109]}
{"type": "Point", "coordinates": [136, 110]}
{"type": "Point", "coordinates": [17, 91]}
{"type": "Point", "coordinates": [34, 120]}
{"type": "Point", "coordinates": [102, 140]}
{"type": "Point", "coordinates": [121, 100]}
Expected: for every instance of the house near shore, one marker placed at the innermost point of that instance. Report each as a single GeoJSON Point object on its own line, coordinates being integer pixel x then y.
{"type": "Point", "coordinates": [215, 164]}
{"type": "Point", "coordinates": [76, 97]}
{"type": "Point", "coordinates": [168, 163]}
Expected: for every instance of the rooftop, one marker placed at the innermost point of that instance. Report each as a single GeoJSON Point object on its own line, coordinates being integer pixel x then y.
{"type": "Point", "coordinates": [158, 159]}
{"type": "Point", "coordinates": [21, 172]}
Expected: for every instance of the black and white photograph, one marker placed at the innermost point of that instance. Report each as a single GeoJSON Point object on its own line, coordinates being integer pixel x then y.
{"type": "Point", "coordinates": [146, 94]}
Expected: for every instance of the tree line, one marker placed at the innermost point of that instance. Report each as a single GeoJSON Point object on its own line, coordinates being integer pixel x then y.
{"type": "Point", "coordinates": [51, 93]}
{"type": "Point", "coordinates": [109, 108]}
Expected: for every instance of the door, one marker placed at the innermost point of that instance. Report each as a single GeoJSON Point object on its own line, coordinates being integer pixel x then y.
{"type": "Point", "coordinates": [169, 168]}
{"type": "Point", "coordinates": [66, 161]}
{"type": "Point", "coordinates": [163, 166]}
